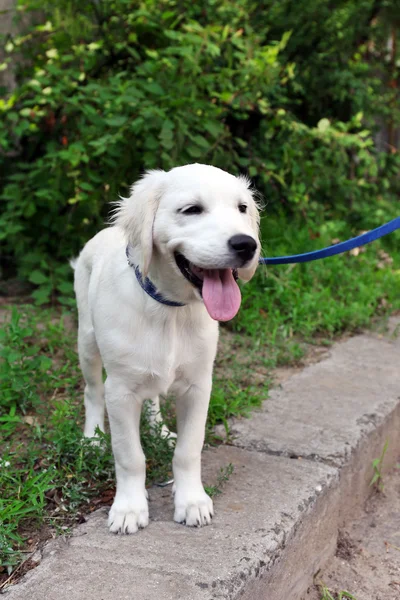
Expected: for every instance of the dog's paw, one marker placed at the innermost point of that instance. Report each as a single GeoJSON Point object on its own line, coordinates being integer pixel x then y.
{"type": "Point", "coordinates": [193, 508]}
{"type": "Point", "coordinates": [128, 516]}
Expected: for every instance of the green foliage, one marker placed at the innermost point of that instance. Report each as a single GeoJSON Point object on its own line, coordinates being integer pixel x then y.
{"type": "Point", "coordinates": [22, 497]}
{"type": "Point", "coordinates": [230, 399]}
{"type": "Point", "coordinates": [327, 595]}
{"type": "Point", "coordinates": [288, 93]}
{"type": "Point", "coordinates": [24, 368]}
{"type": "Point", "coordinates": [147, 88]}
{"type": "Point", "coordinates": [52, 280]}
{"type": "Point", "coordinates": [223, 477]}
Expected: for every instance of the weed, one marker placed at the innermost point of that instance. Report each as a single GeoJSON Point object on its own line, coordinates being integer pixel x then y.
{"type": "Point", "coordinates": [377, 463]}
{"type": "Point", "coordinates": [344, 594]}
{"type": "Point", "coordinates": [327, 594]}
{"type": "Point", "coordinates": [229, 400]}
{"type": "Point", "coordinates": [223, 477]}
{"type": "Point", "coordinates": [22, 367]}
{"type": "Point", "coordinates": [23, 497]}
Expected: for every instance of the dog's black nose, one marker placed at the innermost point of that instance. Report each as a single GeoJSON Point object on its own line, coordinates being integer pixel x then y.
{"type": "Point", "coordinates": [244, 246]}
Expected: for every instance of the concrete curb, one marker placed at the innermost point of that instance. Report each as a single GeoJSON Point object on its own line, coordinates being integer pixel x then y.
{"type": "Point", "coordinates": [302, 468]}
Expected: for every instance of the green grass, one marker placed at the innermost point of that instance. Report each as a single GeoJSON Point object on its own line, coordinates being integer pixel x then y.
{"type": "Point", "coordinates": [49, 475]}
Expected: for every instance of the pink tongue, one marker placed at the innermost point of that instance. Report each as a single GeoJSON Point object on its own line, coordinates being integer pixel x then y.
{"type": "Point", "coordinates": [221, 294]}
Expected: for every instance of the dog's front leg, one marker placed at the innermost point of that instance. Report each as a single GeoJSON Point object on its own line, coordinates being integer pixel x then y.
{"type": "Point", "coordinates": [192, 505]}
{"type": "Point", "coordinates": [129, 511]}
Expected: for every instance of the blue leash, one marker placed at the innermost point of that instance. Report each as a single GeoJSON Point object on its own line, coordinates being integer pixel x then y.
{"type": "Point", "coordinates": [355, 242]}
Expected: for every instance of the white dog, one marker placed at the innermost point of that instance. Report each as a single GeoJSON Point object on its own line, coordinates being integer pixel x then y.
{"type": "Point", "coordinates": [150, 291]}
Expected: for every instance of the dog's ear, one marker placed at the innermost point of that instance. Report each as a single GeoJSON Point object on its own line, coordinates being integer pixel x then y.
{"type": "Point", "coordinates": [254, 207]}
{"type": "Point", "coordinates": [136, 214]}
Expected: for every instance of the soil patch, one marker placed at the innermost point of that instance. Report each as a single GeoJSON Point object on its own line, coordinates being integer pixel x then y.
{"type": "Point", "coordinates": [367, 560]}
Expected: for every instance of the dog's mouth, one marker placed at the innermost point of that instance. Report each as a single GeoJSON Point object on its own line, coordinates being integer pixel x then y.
{"type": "Point", "coordinates": [218, 288]}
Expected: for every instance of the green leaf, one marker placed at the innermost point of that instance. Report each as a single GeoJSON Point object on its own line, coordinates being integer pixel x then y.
{"type": "Point", "coordinates": [66, 287]}
{"type": "Point", "coordinates": [214, 128]}
{"type": "Point", "coordinates": [253, 171]}
{"type": "Point", "coordinates": [86, 186]}
{"type": "Point", "coordinates": [37, 277]}
{"type": "Point", "coordinates": [195, 151]}
{"type": "Point", "coordinates": [201, 141]}
{"type": "Point", "coordinates": [45, 363]}
{"type": "Point", "coordinates": [154, 88]}
{"type": "Point", "coordinates": [42, 295]}
{"type": "Point", "coordinates": [117, 121]}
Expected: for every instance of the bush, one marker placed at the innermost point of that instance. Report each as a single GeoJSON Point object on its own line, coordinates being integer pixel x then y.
{"type": "Point", "coordinates": [109, 89]}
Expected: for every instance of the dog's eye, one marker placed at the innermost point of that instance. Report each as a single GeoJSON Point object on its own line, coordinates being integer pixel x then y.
{"type": "Point", "coordinates": [242, 208]}
{"type": "Point", "coordinates": [196, 209]}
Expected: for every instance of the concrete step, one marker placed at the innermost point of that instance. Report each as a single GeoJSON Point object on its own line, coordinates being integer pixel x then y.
{"type": "Point", "coordinates": [302, 467]}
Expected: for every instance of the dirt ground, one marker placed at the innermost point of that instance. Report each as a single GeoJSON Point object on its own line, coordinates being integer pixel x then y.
{"type": "Point", "coordinates": [367, 561]}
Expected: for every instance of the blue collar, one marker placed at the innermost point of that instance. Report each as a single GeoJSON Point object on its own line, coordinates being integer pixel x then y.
{"type": "Point", "coordinates": [149, 287]}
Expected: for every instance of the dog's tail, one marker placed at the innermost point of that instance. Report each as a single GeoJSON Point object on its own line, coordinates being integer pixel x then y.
{"type": "Point", "coordinates": [73, 263]}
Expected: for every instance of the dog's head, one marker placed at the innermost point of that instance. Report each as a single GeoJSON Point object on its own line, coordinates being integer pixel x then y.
{"type": "Point", "coordinates": [203, 223]}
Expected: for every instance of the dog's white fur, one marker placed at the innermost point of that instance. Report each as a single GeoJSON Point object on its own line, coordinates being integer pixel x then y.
{"type": "Point", "coordinates": [148, 348]}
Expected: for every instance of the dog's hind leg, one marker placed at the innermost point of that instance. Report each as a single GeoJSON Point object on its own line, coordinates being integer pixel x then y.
{"type": "Point", "coordinates": [92, 369]}
{"type": "Point", "coordinates": [89, 355]}
{"type": "Point", "coordinates": [156, 420]}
